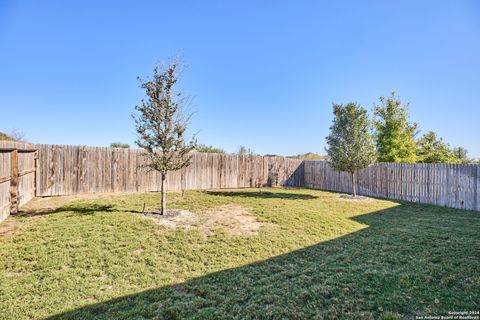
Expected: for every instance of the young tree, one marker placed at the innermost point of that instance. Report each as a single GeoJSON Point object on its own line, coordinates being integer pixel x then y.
{"type": "Point", "coordinates": [350, 143]}
{"type": "Point", "coordinates": [161, 123]}
{"type": "Point", "coordinates": [394, 133]}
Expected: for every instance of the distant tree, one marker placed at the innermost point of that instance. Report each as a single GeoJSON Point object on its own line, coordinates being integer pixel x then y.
{"type": "Point", "coordinates": [350, 143]}
{"type": "Point", "coordinates": [461, 155]}
{"type": "Point", "coordinates": [161, 123]}
{"type": "Point", "coordinates": [394, 133]}
{"type": "Point", "coordinates": [242, 150]}
{"type": "Point", "coordinates": [432, 149]}
{"type": "Point", "coordinates": [5, 137]}
{"type": "Point", "coordinates": [119, 145]}
{"type": "Point", "coordinates": [18, 135]}
{"type": "Point", "coordinates": [15, 135]}
{"type": "Point", "coordinates": [308, 156]}
{"type": "Point", "coordinates": [208, 149]}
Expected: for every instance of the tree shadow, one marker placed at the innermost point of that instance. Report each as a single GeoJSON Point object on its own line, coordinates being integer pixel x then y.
{"type": "Point", "coordinates": [262, 194]}
{"type": "Point", "coordinates": [408, 260]}
{"type": "Point", "coordinates": [76, 208]}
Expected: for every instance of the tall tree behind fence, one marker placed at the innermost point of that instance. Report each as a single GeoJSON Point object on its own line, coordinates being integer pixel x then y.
{"type": "Point", "coordinates": [450, 185]}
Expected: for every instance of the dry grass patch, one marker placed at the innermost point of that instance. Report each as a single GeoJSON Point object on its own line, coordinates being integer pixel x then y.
{"type": "Point", "coordinates": [174, 218]}
{"type": "Point", "coordinates": [231, 219]}
{"type": "Point", "coordinates": [357, 198]}
{"type": "Point", "coordinates": [14, 223]}
{"type": "Point", "coordinates": [8, 227]}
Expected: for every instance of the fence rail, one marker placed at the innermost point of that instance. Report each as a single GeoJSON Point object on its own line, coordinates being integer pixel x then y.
{"type": "Point", "coordinates": [450, 185]}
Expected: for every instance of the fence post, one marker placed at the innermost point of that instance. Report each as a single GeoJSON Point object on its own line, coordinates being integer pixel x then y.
{"type": "Point", "coordinates": [14, 182]}
{"type": "Point", "coordinates": [35, 179]}
{"type": "Point", "coordinates": [476, 205]}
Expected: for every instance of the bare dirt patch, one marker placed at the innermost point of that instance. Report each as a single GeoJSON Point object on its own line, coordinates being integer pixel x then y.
{"type": "Point", "coordinates": [174, 218]}
{"type": "Point", "coordinates": [8, 227]}
{"type": "Point", "coordinates": [356, 198]}
{"type": "Point", "coordinates": [11, 225]}
{"type": "Point", "coordinates": [234, 220]}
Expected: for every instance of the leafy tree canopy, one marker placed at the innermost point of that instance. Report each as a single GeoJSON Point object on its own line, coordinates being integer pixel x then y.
{"type": "Point", "coordinates": [350, 143]}
{"type": "Point", "coordinates": [461, 155]}
{"type": "Point", "coordinates": [394, 133]}
{"type": "Point", "coordinates": [432, 149]}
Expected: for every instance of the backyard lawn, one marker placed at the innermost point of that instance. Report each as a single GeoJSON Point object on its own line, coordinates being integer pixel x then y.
{"type": "Point", "coordinates": [270, 254]}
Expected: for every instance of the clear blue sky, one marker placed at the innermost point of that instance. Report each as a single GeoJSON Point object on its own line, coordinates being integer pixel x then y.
{"type": "Point", "coordinates": [262, 73]}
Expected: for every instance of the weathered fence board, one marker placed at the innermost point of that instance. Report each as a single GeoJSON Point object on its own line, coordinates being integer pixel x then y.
{"type": "Point", "coordinates": [450, 185]}
{"type": "Point", "coordinates": [5, 177]}
{"type": "Point", "coordinates": [26, 176]}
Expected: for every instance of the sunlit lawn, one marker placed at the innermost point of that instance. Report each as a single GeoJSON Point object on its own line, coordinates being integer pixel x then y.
{"type": "Point", "coordinates": [315, 256]}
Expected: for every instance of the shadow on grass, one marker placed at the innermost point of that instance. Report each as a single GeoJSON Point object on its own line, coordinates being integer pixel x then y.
{"type": "Point", "coordinates": [79, 208]}
{"type": "Point", "coordinates": [410, 259]}
{"type": "Point", "coordinates": [262, 194]}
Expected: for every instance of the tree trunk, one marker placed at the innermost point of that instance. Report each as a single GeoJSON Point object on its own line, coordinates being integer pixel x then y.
{"type": "Point", "coordinates": [183, 183]}
{"type": "Point", "coordinates": [164, 195]}
{"type": "Point", "coordinates": [354, 189]}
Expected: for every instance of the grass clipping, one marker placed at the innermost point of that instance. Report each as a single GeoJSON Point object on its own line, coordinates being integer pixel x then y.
{"type": "Point", "coordinates": [233, 220]}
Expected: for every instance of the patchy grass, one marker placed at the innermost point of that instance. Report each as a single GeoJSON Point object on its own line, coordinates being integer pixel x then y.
{"type": "Point", "coordinates": [315, 255]}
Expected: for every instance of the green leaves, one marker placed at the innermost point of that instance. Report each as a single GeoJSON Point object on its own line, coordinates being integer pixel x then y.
{"type": "Point", "coordinates": [432, 149]}
{"type": "Point", "coordinates": [394, 133]}
{"type": "Point", "coordinates": [395, 137]}
{"type": "Point", "coordinates": [161, 121]}
{"type": "Point", "coordinates": [208, 149]}
{"type": "Point", "coordinates": [350, 143]}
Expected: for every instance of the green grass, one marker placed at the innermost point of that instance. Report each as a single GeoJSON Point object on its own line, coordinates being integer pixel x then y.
{"type": "Point", "coordinates": [316, 257]}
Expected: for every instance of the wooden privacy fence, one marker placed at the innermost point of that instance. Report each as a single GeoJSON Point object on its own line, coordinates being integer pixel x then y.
{"type": "Point", "coordinates": [67, 170]}
{"type": "Point", "coordinates": [450, 185]}
{"type": "Point", "coordinates": [17, 179]}
{"type": "Point", "coordinates": [56, 170]}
